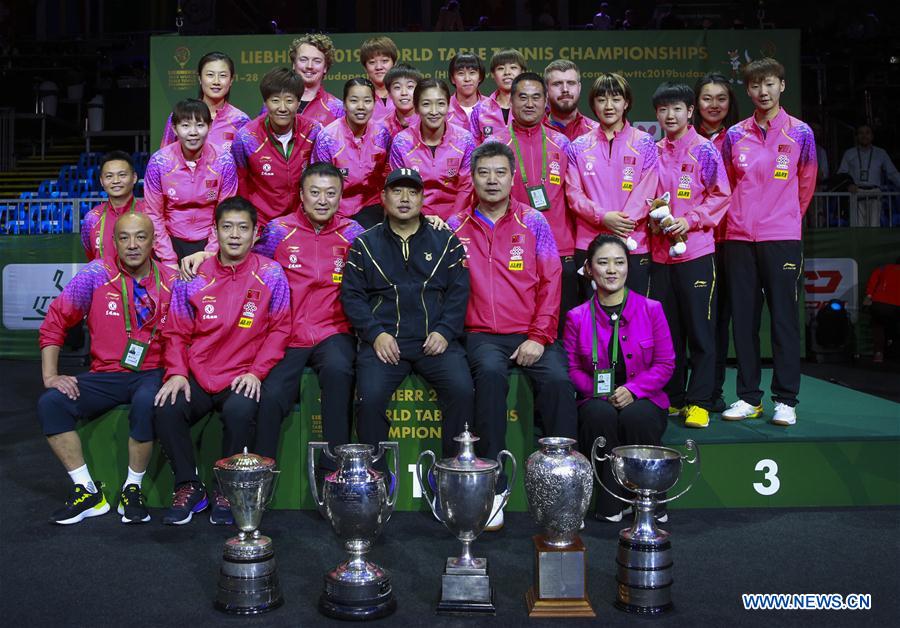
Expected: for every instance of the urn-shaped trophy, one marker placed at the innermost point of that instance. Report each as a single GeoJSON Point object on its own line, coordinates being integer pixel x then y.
{"type": "Point", "coordinates": [357, 502]}
{"type": "Point", "coordinates": [644, 558]}
{"type": "Point", "coordinates": [558, 486]}
{"type": "Point", "coordinates": [464, 489]}
{"type": "Point", "coordinates": [248, 580]}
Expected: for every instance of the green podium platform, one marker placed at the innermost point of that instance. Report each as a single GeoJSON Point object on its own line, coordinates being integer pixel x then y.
{"type": "Point", "coordinates": [842, 452]}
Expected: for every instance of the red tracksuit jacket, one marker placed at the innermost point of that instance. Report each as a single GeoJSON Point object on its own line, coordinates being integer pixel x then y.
{"type": "Point", "coordinates": [691, 171]}
{"type": "Point", "coordinates": [561, 221]}
{"type": "Point", "coordinates": [96, 292]}
{"type": "Point", "coordinates": [98, 234]}
{"type": "Point", "coordinates": [314, 265]}
{"type": "Point", "coordinates": [446, 173]}
{"type": "Point", "coordinates": [227, 321]}
{"type": "Point", "coordinates": [266, 177]}
{"type": "Point", "coordinates": [514, 271]}
{"type": "Point", "coordinates": [773, 178]}
{"type": "Point", "coordinates": [363, 161]}
{"type": "Point", "coordinates": [581, 125]}
{"type": "Point", "coordinates": [486, 118]}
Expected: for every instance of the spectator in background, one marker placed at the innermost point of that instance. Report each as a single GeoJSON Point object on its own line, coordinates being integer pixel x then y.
{"type": "Point", "coordinates": [628, 22]}
{"type": "Point", "coordinates": [602, 20]}
{"type": "Point", "coordinates": [449, 18]}
{"type": "Point", "coordinates": [546, 19]}
{"type": "Point", "coordinates": [868, 166]}
{"type": "Point", "coordinates": [823, 172]}
{"type": "Point", "coordinates": [883, 301]}
{"type": "Point", "coordinates": [484, 24]}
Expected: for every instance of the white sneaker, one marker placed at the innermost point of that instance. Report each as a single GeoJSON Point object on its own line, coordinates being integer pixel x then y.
{"type": "Point", "coordinates": [496, 520]}
{"type": "Point", "coordinates": [616, 518]}
{"type": "Point", "coordinates": [784, 415]}
{"type": "Point", "coordinates": [740, 409]}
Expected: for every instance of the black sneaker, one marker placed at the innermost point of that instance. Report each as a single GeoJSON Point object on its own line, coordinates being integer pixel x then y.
{"type": "Point", "coordinates": [81, 504]}
{"type": "Point", "coordinates": [131, 505]}
{"type": "Point", "coordinates": [718, 405]}
{"type": "Point", "coordinates": [188, 498]}
{"type": "Point", "coordinates": [220, 515]}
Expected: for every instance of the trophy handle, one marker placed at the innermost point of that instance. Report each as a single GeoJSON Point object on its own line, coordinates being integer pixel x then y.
{"type": "Point", "coordinates": [690, 445]}
{"type": "Point", "coordinates": [311, 468]}
{"type": "Point", "coordinates": [512, 477]}
{"type": "Point", "coordinates": [599, 443]}
{"type": "Point", "coordinates": [394, 447]}
{"type": "Point", "coordinates": [276, 473]}
{"type": "Point", "coordinates": [426, 488]}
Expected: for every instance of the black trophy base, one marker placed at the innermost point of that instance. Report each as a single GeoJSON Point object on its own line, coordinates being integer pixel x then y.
{"type": "Point", "coordinates": [248, 578]}
{"type": "Point", "coordinates": [357, 602]}
{"type": "Point", "coordinates": [643, 610]}
{"type": "Point", "coordinates": [466, 590]}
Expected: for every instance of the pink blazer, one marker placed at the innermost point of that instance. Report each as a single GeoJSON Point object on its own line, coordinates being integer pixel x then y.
{"type": "Point", "coordinates": [644, 343]}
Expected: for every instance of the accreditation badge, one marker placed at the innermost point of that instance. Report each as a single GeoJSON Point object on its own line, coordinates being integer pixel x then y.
{"type": "Point", "coordinates": [604, 382]}
{"type": "Point", "coordinates": [134, 354]}
{"type": "Point", "coordinates": [537, 197]}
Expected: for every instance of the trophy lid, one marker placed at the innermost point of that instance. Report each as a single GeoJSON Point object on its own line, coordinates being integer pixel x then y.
{"type": "Point", "coordinates": [466, 460]}
{"type": "Point", "coordinates": [245, 462]}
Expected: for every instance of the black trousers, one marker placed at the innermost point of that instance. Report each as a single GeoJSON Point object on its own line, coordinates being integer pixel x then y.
{"type": "Point", "coordinates": [639, 423]}
{"type": "Point", "coordinates": [687, 291]}
{"type": "Point", "coordinates": [183, 248]}
{"type": "Point", "coordinates": [723, 322]}
{"type": "Point", "coordinates": [173, 426]}
{"type": "Point", "coordinates": [488, 356]}
{"type": "Point", "coordinates": [569, 296]}
{"type": "Point", "coordinates": [332, 360]}
{"type": "Point", "coordinates": [447, 373]}
{"type": "Point", "coordinates": [772, 269]}
{"type": "Point", "coordinates": [369, 216]}
{"type": "Point", "coordinates": [639, 273]}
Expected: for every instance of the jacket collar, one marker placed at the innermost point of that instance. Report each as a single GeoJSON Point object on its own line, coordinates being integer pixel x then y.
{"type": "Point", "coordinates": [682, 142]}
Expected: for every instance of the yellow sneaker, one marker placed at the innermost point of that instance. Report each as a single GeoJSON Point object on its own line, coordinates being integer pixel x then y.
{"type": "Point", "coordinates": [695, 416]}
{"type": "Point", "coordinates": [673, 411]}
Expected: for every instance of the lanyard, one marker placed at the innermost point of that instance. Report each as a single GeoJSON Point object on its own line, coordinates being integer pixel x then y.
{"type": "Point", "coordinates": [868, 163]}
{"type": "Point", "coordinates": [103, 224]}
{"type": "Point", "coordinates": [614, 358]}
{"type": "Point", "coordinates": [126, 314]}
{"type": "Point", "coordinates": [515, 140]}
{"type": "Point", "coordinates": [277, 143]}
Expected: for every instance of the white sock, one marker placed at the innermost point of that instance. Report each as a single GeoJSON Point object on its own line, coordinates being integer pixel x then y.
{"type": "Point", "coordinates": [134, 477]}
{"type": "Point", "coordinates": [82, 476]}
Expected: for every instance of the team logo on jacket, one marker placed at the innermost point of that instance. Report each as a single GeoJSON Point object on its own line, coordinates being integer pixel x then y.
{"type": "Point", "coordinates": [629, 160]}
{"type": "Point", "coordinates": [428, 256]}
{"type": "Point", "coordinates": [345, 172]}
{"type": "Point", "coordinates": [781, 166]}
{"type": "Point", "coordinates": [515, 258]}
{"type": "Point", "coordinates": [112, 308]}
{"type": "Point", "coordinates": [627, 178]}
{"type": "Point", "coordinates": [488, 130]}
{"type": "Point", "coordinates": [554, 166]}
{"type": "Point", "coordinates": [684, 186]}
{"type": "Point", "coordinates": [452, 166]}
{"type": "Point", "coordinates": [248, 311]}
{"type": "Point", "coordinates": [254, 295]}
{"type": "Point", "coordinates": [338, 275]}
{"type": "Point", "coordinates": [226, 146]}
{"type": "Point", "coordinates": [171, 193]}
{"type": "Point", "coordinates": [293, 261]}
{"type": "Point", "coordinates": [588, 169]}
{"type": "Point", "coordinates": [209, 312]}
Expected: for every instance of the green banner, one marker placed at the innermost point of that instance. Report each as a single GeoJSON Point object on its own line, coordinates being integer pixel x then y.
{"type": "Point", "coordinates": [645, 58]}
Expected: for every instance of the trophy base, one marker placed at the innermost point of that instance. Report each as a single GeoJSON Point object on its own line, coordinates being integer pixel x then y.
{"type": "Point", "coordinates": [560, 575]}
{"type": "Point", "coordinates": [248, 579]}
{"type": "Point", "coordinates": [466, 590]}
{"type": "Point", "coordinates": [644, 575]}
{"type": "Point", "coordinates": [357, 601]}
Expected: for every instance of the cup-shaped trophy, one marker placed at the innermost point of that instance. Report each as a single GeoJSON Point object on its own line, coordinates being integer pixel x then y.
{"type": "Point", "coordinates": [464, 489]}
{"type": "Point", "coordinates": [644, 558]}
{"type": "Point", "coordinates": [248, 579]}
{"type": "Point", "coordinates": [357, 502]}
{"type": "Point", "coordinates": [558, 486]}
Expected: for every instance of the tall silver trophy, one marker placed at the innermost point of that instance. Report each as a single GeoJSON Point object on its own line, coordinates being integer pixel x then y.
{"type": "Point", "coordinates": [357, 501]}
{"type": "Point", "coordinates": [558, 486]}
{"type": "Point", "coordinates": [464, 489]}
{"type": "Point", "coordinates": [248, 580]}
{"type": "Point", "coordinates": [644, 556]}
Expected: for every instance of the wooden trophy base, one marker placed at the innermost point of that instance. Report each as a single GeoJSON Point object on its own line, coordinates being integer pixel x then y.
{"type": "Point", "coordinates": [559, 581]}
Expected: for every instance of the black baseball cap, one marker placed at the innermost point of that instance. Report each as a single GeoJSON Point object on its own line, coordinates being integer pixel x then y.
{"type": "Point", "coordinates": [404, 175]}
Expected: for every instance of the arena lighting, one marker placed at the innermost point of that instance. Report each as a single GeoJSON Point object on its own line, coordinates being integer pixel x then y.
{"type": "Point", "coordinates": [833, 327]}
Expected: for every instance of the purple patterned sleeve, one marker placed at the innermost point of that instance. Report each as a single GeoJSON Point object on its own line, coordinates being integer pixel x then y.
{"type": "Point", "coordinates": [337, 107]}
{"type": "Point", "coordinates": [648, 151]}
{"type": "Point", "coordinates": [182, 291]}
{"type": "Point", "coordinates": [711, 167]}
{"type": "Point", "coordinates": [79, 292]}
{"type": "Point", "coordinates": [538, 225]}
{"type": "Point", "coordinates": [168, 133]}
{"type": "Point", "coordinates": [400, 147]}
{"type": "Point", "coordinates": [804, 137]}
{"type": "Point", "coordinates": [473, 119]}
{"type": "Point", "coordinates": [239, 150]}
{"type": "Point", "coordinates": [273, 276]}
{"type": "Point", "coordinates": [454, 222]}
{"type": "Point", "coordinates": [224, 165]}
{"type": "Point", "coordinates": [88, 223]}
{"type": "Point", "coordinates": [352, 231]}
{"type": "Point", "coordinates": [324, 147]}
{"type": "Point", "coordinates": [467, 142]}
{"type": "Point", "coordinates": [273, 234]}
{"type": "Point", "coordinates": [383, 138]}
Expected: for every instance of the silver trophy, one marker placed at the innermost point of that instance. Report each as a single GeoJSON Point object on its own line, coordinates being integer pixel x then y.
{"type": "Point", "coordinates": [558, 486]}
{"type": "Point", "coordinates": [644, 557]}
{"type": "Point", "coordinates": [357, 502]}
{"type": "Point", "coordinates": [463, 499]}
{"type": "Point", "coordinates": [248, 580]}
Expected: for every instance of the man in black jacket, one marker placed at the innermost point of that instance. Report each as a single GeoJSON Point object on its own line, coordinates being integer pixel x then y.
{"type": "Point", "coordinates": [405, 291]}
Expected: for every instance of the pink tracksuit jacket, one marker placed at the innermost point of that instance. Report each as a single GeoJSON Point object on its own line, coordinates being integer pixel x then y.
{"type": "Point", "coordinates": [446, 174]}
{"type": "Point", "coordinates": [222, 131]}
{"type": "Point", "coordinates": [773, 178]}
{"type": "Point", "coordinates": [458, 116]}
{"type": "Point", "coordinates": [690, 169]}
{"type": "Point", "coordinates": [561, 220]}
{"type": "Point", "coordinates": [181, 201]}
{"type": "Point", "coordinates": [644, 343]}
{"type": "Point", "coordinates": [363, 161]}
{"type": "Point", "coordinates": [486, 118]}
{"type": "Point", "coordinates": [98, 236]}
{"type": "Point", "coordinates": [604, 176]}
{"type": "Point", "coordinates": [324, 108]}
